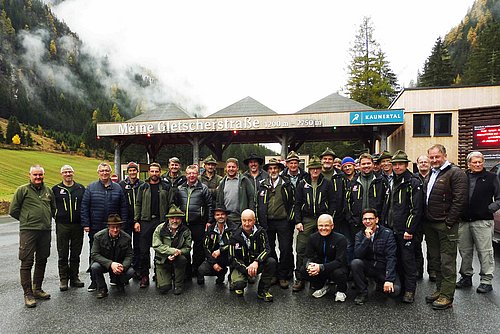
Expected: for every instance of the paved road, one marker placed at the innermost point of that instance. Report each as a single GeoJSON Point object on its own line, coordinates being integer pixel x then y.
{"type": "Point", "coordinates": [212, 309]}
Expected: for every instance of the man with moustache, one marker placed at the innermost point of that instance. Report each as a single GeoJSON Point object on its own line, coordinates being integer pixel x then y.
{"type": "Point", "coordinates": [151, 206]}
{"type": "Point", "coordinates": [255, 173]}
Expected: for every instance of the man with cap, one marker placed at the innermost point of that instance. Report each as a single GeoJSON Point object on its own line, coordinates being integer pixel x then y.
{"type": "Point", "coordinates": [69, 231]}
{"type": "Point", "coordinates": [153, 200]}
{"type": "Point", "coordinates": [112, 252]}
{"type": "Point", "coordinates": [33, 204]}
{"type": "Point", "coordinates": [349, 169]}
{"type": "Point", "coordinates": [173, 176]}
{"type": "Point", "coordinates": [235, 192]}
{"type": "Point", "coordinates": [195, 200]}
{"type": "Point", "coordinates": [327, 159]}
{"type": "Point", "coordinates": [209, 176]}
{"type": "Point", "coordinates": [403, 218]}
{"type": "Point", "coordinates": [376, 163]}
{"type": "Point", "coordinates": [386, 167]}
{"type": "Point", "coordinates": [216, 246]}
{"type": "Point", "coordinates": [130, 186]}
{"type": "Point", "coordinates": [249, 255]}
{"type": "Point", "coordinates": [314, 196]}
{"type": "Point", "coordinates": [275, 199]}
{"type": "Point", "coordinates": [101, 198]}
{"type": "Point", "coordinates": [292, 171]}
{"type": "Point", "coordinates": [172, 245]}
{"type": "Point", "coordinates": [255, 173]}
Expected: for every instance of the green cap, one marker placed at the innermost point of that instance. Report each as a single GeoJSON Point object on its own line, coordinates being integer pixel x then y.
{"type": "Point", "coordinates": [400, 156]}
{"type": "Point", "coordinates": [328, 151]}
{"type": "Point", "coordinates": [314, 162]}
{"type": "Point", "coordinates": [174, 211]}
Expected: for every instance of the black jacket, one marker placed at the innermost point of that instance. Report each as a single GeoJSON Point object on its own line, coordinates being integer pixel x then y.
{"type": "Point", "coordinates": [241, 256]}
{"type": "Point", "coordinates": [264, 193]}
{"type": "Point", "coordinates": [214, 241]}
{"type": "Point", "coordinates": [484, 199]}
{"type": "Point", "coordinates": [68, 203]}
{"type": "Point", "coordinates": [381, 252]}
{"type": "Point", "coordinates": [329, 252]}
{"type": "Point", "coordinates": [196, 203]}
{"type": "Point", "coordinates": [104, 251]}
{"type": "Point", "coordinates": [310, 204]}
{"type": "Point", "coordinates": [406, 204]}
{"type": "Point", "coordinates": [130, 190]}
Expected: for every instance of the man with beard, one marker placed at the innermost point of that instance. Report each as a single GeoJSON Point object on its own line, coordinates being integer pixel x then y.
{"type": "Point", "coordinates": [255, 173]}
{"type": "Point", "coordinates": [153, 199]}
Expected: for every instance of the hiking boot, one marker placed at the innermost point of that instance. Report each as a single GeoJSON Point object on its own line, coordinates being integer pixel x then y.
{"type": "Point", "coordinates": [321, 292]}
{"type": "Point", "coordinates": [432, 277]}
{"type": "Point", "coordinates": [442, 303]}
{"type": "Point", "coordinates": [102, 293]}
{"type": "Point", "coordinates": [274, 280]}
{"type": "Point", "coordinates": [431, 298]}
{"type": "Point", "coordinates": [298, 285]}
{"type": "Point", "coordinates": [92, 287]}
{"type": "Point", "coordinates": [178, 290]}
{"type": "Point", "coordinates": [284, 283]}
{"type": "Point", "coordinates": [265, 296]}
{"type": "Point", "coordinates": [464, 282]}
{"type": "Point", "coordinates": [484, 288]}
{"type": "Point", "coordinates": [200, 279]}
{"type": "Point", "coordinates": [63, 284]}
{"type": "Point", "coordinates": [40, 294]}
{"type": "Point", "coordinates": [340, 296]}
{"type": "Point", "coordinates": [409, 297]}
{"type": "Point", "coordinates": [361, 299]}
{"type": "Point", "coordinates": [29, 301]}
{"type": "Point", "coordinates": [76, 283]}
{"type": "Point", "coordinates": [144, 282]}
{"type": "Point", "coordinates": [164, 289]}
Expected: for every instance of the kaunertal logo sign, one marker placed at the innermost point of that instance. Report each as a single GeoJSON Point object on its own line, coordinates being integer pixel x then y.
{"type": "Point", "coordinates": [377, 117]}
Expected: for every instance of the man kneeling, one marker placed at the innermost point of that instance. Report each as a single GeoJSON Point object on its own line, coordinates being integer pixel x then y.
{"type": "Point", "coordinates": [172, 245]}
{"type": "Point", "coordinates": [249, 256]}
{"type": "Point", "coordinates": [112, 252]}
{"type": "Point", "coordinates": [326, 260]}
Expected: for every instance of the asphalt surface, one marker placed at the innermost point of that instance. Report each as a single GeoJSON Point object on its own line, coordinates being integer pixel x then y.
{"type": "Point", "coordinates": [213, 309]}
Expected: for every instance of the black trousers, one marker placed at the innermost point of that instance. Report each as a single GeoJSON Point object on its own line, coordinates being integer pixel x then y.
{"type": "Point", "coordinates": [407, 268]}
{"type": "Point", "coordinates": [338, 276]}
{"type": "Point", "coordinates": [362, 269]}
{"type": "Point", "coordinates": [146, 240]}
{"type": "Point", "coordinates": [197, 234]}
{"type": "Point", "coordinates": [207, 269]}
{"type": "Point", "coordinates": [282, 230]}
{"type": "Point", "coordinates": [69, 239]}
{"type": "Point", "coordinates": [98, 273]}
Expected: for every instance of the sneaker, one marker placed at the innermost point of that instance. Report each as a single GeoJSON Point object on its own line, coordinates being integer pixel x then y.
{"type": "Point", "coordinates": [442, 303]}
{"type": "Point", "coordinates": [76, 283]}
{"type": "Point", "coordinates": [484, 288]}
{"type": "Point", "coordinates": [92, 287]}
{"type": "Point", "coordinates": [284, 283]}
{"type": "Point", "coordinates": [298, 285]}
{"type": "Point", "coordinates": [63, 284]}
{"type": "Point", "coordinates": [464, 282]}
{"type": "Point", "coordinates": [431, 298]}
{"type": "Point", "coordinates": [265, 296]}
{"type": "Point", "coordinates": [409, 297]}
{"type": "Point", "coordinates": [361, 299]}
{"type": "Point", "coordinates": [29, 301]}
{"type": "Point", "coordinates": [144, 282]}
{"type": "Point", "coordinates": [321, 292]}
{"type": "Point", "coordinates": [40, 294]}
{"type": "Point", "coordinates": [102, 293]}
{"type": "Point", "coordinates": [340, 297]}
{"type": "Point", "coordinates": [239, 292]}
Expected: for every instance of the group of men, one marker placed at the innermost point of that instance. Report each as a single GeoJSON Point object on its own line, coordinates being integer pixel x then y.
{"type": "Point", "coordinates": [361, 222]}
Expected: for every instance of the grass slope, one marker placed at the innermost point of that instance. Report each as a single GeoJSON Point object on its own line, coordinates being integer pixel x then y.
{"type": "Point", "coordinates": [15, 165]}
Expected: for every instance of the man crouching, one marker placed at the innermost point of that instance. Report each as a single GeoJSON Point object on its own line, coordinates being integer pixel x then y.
{"type": "Point", "coordinates": [249, 256]}
{"type": "Point", "coordinates": [172, 245]}
{"type": "Point", "coordinates": [112, 252]}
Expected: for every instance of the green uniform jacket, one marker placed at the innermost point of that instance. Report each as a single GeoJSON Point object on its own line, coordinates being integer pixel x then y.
{"type": "Point", "coordinates": [246, 193]}
{"type": "Point", "coordinates": [163, 240]}
{"type": "Point", "coordinates": [104, 253]}
{"type": "Point", "coordinates": [34, 208]}
{"type": "Point", "coordinates": [142, 210]}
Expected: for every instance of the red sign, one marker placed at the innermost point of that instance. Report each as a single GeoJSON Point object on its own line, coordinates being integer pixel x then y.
{"type": "Point", "coordinates": [487, 136]}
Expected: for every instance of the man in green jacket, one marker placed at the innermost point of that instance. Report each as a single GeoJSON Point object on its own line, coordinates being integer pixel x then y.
{"type": "Point", "coordinates": [34, 206]}
{"type": "Point", "coordinates": [172, 245]}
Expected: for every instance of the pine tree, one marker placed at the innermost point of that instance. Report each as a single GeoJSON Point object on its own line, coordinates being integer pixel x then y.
{"type": "Point", "coordinates": [115, 114]}
{"type": "Point", "coordinates": [437, 68]}
{"type": "Point", "coordinates": [13, 128]}
{"type": "Point", "coordinates": [371, 80]}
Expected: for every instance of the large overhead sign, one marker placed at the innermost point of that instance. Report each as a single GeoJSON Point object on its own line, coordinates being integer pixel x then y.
{"type": "Point", "coordinates": [486, 136]}
{"type": "Point", "coordinates": [280, 121]}
{"type": "Point", "coordinates": [376, 117]}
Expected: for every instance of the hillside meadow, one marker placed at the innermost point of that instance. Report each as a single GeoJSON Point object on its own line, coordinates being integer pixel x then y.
{"type": "Point", "coordinates": [15, 165]}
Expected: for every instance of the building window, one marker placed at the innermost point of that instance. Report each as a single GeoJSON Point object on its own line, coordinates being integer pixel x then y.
{"type": "Point", "coordinates": [421, 125]}
{"type": "Point", "coordinates": [442, 125]}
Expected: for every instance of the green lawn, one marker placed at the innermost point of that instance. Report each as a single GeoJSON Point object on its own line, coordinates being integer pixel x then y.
{"type": "Point", "coordinates": [15, 165]}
